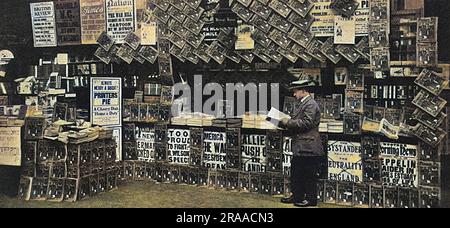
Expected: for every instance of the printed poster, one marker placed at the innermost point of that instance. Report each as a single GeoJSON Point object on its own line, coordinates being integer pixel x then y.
{"type": "Point", "coordinates": [10, 146]}
{"type": "Point", "coordinates": [214, 152]}
{"type": "Point", "coordinates": [93, 20]}
{"type": "Point", "coordinates": [400, 166]}
{"type": "Point", "coordinates": [345, 161]}
{"type": "Point", "coordinates": [120, 19]}
{"type": "Point", "coordinates": [106, 101]}
{"type": "Point", "coordinates": [323, 25]}
{"type": "Point", "coordinates": [179, 146]}
{"type": "Point", "coordinates": [43, 23]}
{"type": "Point", "coordinates": [145, 143]}
{"type": "Point", "coordinates": [254, 154]}
{"type": "Point", "coordinates": [344, 30]}
{"type": "Point", "coordinates": [68, 28]}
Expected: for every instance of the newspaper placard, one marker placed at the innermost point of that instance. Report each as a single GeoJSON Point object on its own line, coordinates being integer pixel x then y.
{"type": "Point", "coordinates": [214, 153]}
{"type": "Point", "coordinates": [10, 146]}
{"type": "Point", "coordinates": [148, 33]}
{"type": "Point", "coordinates": [400, 165]}
{"type": "Point", "coordinates": [345, 161]}
{"type": "Point", "coordinates": [254, 155]}
{"type": "Point", "coordinates": [93, 20]}
{"type": "Point", "coordinates": [120, 19]}
{"type": "Point", "coordinates": [179, 146]}
{"type": "Point", "coordinates": [117, 136]}
{"type": "Point", "coordinates": [145, 143]}
{"type": "Point", "coordinates": [344, 30]}
{"type": "Point", "coordinates": [323, 25]}
{"type": "Point", "coordinates": [106, 101]}
{"type": "Point", "coordinates": [43, 23]}
{"type": "Point", "coordinates": [287, 155]}
{"type": "Point", "coordinates": [68, 28]}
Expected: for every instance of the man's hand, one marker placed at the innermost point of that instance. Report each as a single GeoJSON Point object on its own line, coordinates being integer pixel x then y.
{"type": "Point", "coordinates": [285, 122]}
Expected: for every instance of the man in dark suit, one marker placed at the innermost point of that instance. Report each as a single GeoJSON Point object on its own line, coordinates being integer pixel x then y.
{"type": "Point", "coordinates": [306, 145]}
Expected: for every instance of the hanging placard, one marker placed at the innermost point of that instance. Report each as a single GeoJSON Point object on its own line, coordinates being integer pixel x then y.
{"type": "Point", "coordinates": [106, 101]}
{"type": "Point", "coordinates": [323, 25]}
{"type": "Point", "coordinates": [120, 19]}
{"type": "Point", "coordinates": [43, 22]}
{"type": "Point", "coordinates": [93, 22]}
{"type": "Point", "coordinates": [254, 155]}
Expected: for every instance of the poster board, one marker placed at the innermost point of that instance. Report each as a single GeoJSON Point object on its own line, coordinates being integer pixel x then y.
{"type": "Point", "coordinates": [145, 143]}
{"type": "Point", "coordinates": [43, 23]}
{"type": "Point", "coordinates": [178, 146]}
{"type": "Point", "coordinates": [106, 101]}
{"type": "Point", "coordinates": [323, 25]}
{"type": "Point", "coordinates": [345, 161]}
{"type": "Point", "coordinates": [214, 150]}
{"type": "Point", "coordinates": [400, 166]}
{"type": "Point", "coordinates": [120, 19]}
{"type": "Point", "coordinates": [10, 146]}
{"type": "Point", "coordinates": [254, 154]}
{"type": "Point", "coordinates": [68, 27]}
{"type": "Point", "coordinates": [93, 20]}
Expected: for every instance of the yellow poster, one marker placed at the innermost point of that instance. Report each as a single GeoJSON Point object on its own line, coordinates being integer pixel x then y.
{"type": "Point", "coordinates": [323, 18]}
{"type": "Point", "coordinates": [244, 37]}
{"type": "Point", "coordinates": [106, 103]}
{"type": "Point", "coordinates": [344, 30]}
{"type": "Point", "coordinates": [93, 22]}
{"type": "Point", "coordinates": [10, 146]}
{"type": "Point", "coordinates": [148, 33]}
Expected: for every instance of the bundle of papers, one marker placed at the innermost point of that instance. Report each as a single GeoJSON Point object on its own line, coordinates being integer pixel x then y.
{"type": "Point", "coordinates": [222, 123]}
{"type": "Point", "coordinates": [336, 127]}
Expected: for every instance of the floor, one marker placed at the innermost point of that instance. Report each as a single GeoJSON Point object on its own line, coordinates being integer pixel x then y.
{"type": "Point", "coordinates": [151, 195]}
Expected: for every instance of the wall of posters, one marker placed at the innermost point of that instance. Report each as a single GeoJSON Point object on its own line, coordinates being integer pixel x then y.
{"type": "Point", "coordinates": [10, 146]}
{"type": "Point", "coordinates": [179, 147]}
{"type": "Point", "coordinates": [324, 18]}
{"type": "Point", "coordinates": [120, 19]}
{"type": "Point", "coordinates": [214, 152]}
{"type": "Point", "coordinates": [68, 27]}
{"type": "Point", "coordinates": [254, 154]}
{"type": "Point", "coordinates": [106, 101]}
{"type": "Point", "coordinates": [345, 161]}
{"type": "Point", "coordinates": [93, 22]}
{"type": "Point", "coordinates": [43, 23]}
